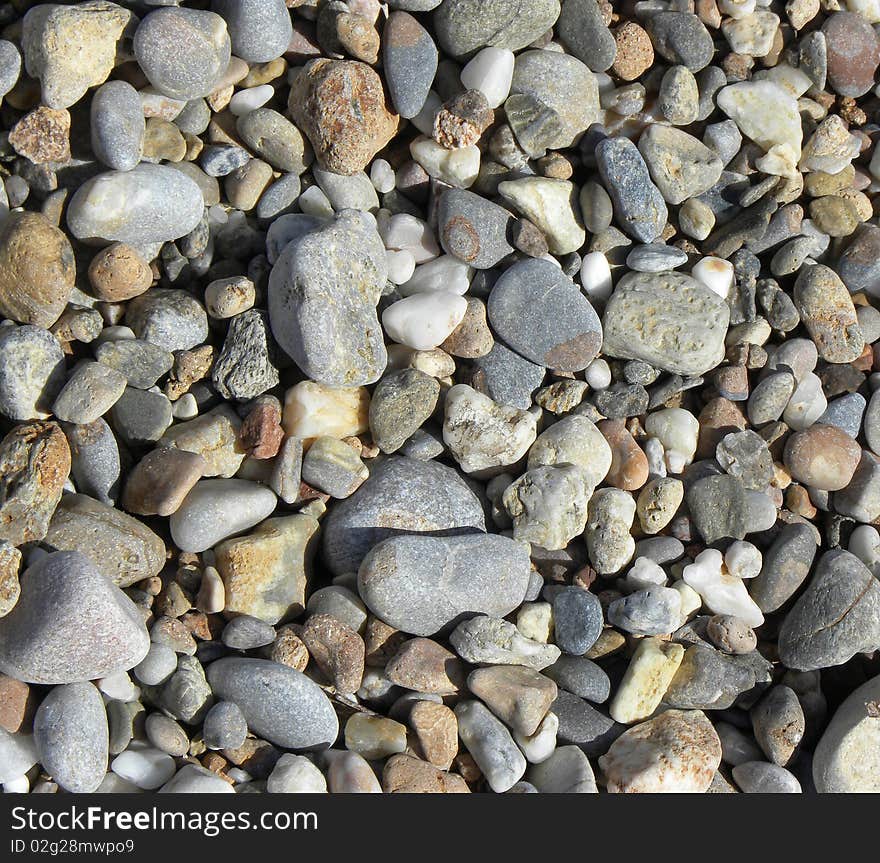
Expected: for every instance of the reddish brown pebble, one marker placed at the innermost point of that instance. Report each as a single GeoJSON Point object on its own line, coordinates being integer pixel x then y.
{"type": "Point", "coordinates": [853, 53]}
{"type": "Point", "coordinates": [17, 704]}
{"type": "Point", "coordinates": [160, 481]}
{"type": "Point", "coordinates": [425, 666]}
{"type": "Point", "coordinates": [635, 53]}
{"type": "Point", "coordinates": [43, 135]}
{"type": "Point", "coordinates": [261, 432]}
{"type": "Point", "coordinates": [382, 642]}
{"type": "Point", "coordinates": [629, 464]}
{"type": "Point", "coordinates": [718, 418]}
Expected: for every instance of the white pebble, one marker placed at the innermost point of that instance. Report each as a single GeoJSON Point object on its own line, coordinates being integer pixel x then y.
{"type": "Point", "coordinates": [295, 774]}
{"type": "Point", "coordinates": [313, 202]}
{"type": "Point", "coordinates": [119, 687]}
{"type": "Point", "coordinates": [424, 321]}
{"type": "Point", "coordinates": [656, 456]}
{"type": "Point", "coordinates": [491, 72]}
{"type": "Point", "coordinates": [677, 429]}
{"type": "Point", "coordinates": [403, 231]}
{"type": "Point", "coordinates": [864, 543]}
{"type": "Point", "coordinates": [539, 746]}
{"type": "Point", "coordinates": [211, 598]}
{"type": "Point", "coordinates": [645, 573]}
{"type": "Point", "coordinates": [807, 403]}
{"type": "Point", "coordinates": [737, 8]}
{"type": "Point", "coordinates": [442, 274]}
{"type": "Point", "coordinates": [743, 559]}
{"type": "Point", "coordinates": [458, 168]}
{"type": "Point", "coordinates": [596, 276]}
{"type": "Point", "coordinates": [185, 408]}
{"type": "Point", "coordinates": [714, 273]}
{"type": "Point", "coordinates": [721, 592]}
{"type": "Point", "coordinates": [401, 265]}
{"type": "Point", "coordinates": [144, 766]}
{"type": "Point", "coordinates": [245, 101]}
{"type": "Point", "coordinates": [19, 785]}
{"type": "Point", "coordinates": [382, 176]}
{"type": "Point", "coordinates": [598, 374]}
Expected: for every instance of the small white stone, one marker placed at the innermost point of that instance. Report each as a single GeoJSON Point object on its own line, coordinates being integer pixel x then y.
{"type": "Point", "coordinates": [211, 597]}
{"type": "Point", "coordinates": [722, 593]}
{"type": "Point", "coordinates": [442, 274]}
{"type": "Point", "coordinates": [382, 176]}
{"type": "Point", "coordinates": [245, 101]}
{"type": "Point", "coordinates": [868, 9]}
{"type": "Point", "coordinates": [864, 543]}
{"type": "Point", "coordinates": [596, 277]}
{"type": "Point", "coordinates": [228, 297]}
{"type": "Point", "coordinates": [535, 620]}
{"type": "Point", "coordinates": [295, 774]}
{"type": "Point", "coordinates": [645, 573]}
{"type": "Point", "coordinates": [185, 408]}
{"type": "Point", "coordinates": [403, 231]}
{"type": "Point", "coordinates": [350, 773]}
{"type": "Point", "coordinates": [736, 8]}
{"type": "Point", "coordinates": [239, 776]}
{"type": "Point", "coordinates": [144, 766]}
{"type": "Point", "coordinates": [656, 455]}
{"type": "Point", "coordinates": [313, 202]}
{"type": "Point", "coordinates": [765, 112]}
{"type": "Point", "coordinates": [424, 120]}
{"type": "Point", "coordinates": [458, 168]}
{"type": "Point", "coordinates": [598, 374]}
{"type": "Point", "coordinates": [119, 687]}
{"type": "Point", "coordinates": [678, 430]}
{"type": "Point", "coordinates": [401, 265]}
{"type": "Point", "coordinates": [743, 559]}
{"type": "Point", "coordinates": [18, 785]}
{"type": "Point", "coordinates": [425, 320]}
{"type": "Point", "coordinates": [491, 72]}
{"type": "Point", "coordinates": [691, 602]}
{"type": "Point", "coordinates": [807, 403]}
{"type": "Point", "coordinates": [716, 274]}
{"type": "Point", "coordinates": [539, 746]}
{"type": "Point", "coordinates": [751, 34]}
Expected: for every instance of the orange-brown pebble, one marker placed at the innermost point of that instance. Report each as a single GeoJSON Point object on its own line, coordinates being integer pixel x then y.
{"type": "Point", "coordinates": [436, 730]}
{"type": "Point", "coordinates": [261, 432]}
{"type": "Point", "coordinates": [17, 704]}
{"type": "Point", "coordinates": [823, 457]}
{"type": "Point", "coordinates": [635, 54]}
{"type": "Point", "coordinates": [718, 418]}
{"type": "Point", "coordinates": [404, 774]}
{"type": "Point", "coordinates": [426, 666]}
{"type": "Point", "coordinates": [118, 272]}
{"type": "Point", "coordinates": [382, 641]}
{"type": "Point", "coordinates": [288, 649]}
{"type": "Point", "coordinates": [629, 464]}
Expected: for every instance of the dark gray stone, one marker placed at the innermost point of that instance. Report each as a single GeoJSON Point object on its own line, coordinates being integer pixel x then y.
{"type": "Point", "coordinates": [577, 620]}
{"type": "Point", "coordinates": [260, 30]}
{"type": "Point", "coordinates": [680, 37]}
{"type": "Point", "coordinates": [506, 377]}
{"type": "Point", "coordinates": [473, 229]}
{"type": "Point", "coordinates": [117, 125]}
{"type": "Point", "coordinates": [246, 366]}
{"type": "Point", "coordinates": [583, 725]}
{"type": "Point", "coordinates": [585, 34]}
{"type": "Point", "coordinates": [142, 363]}
{"type": "Point", "coordinates": [410, 62]}
{"type": "Point", "coordinates": [401, 403]}
{"type": "Point", "coordinates": [580, 676]}
{"type": "Point", "coordinates": [785, 567]}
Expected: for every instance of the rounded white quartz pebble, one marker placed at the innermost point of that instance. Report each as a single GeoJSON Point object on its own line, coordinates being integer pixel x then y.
{"type": "Point", "coordinates": [645, 573]}
{"type": "Point", "coordinates": [737, 8]}
{"type": "Point", "coordinates": [442, 274]}
{"type": "Point", "coordinates": [656, 456]}
{"type": "Point", "coordinates": [743, 559]}
{"type": "Point", "coordinates": [382, 176]}
{"type": "Point", "coordinates": [219, 508]}
{"type": "Point", "coordinates": [424, 321]}
{"type": "Point", "coordinates": [401, 265]}
{"type": "Point", "coordinates": [313, 202]}
{"type": "Point", "coordinates": [245, 101]}
{"type": "Point", "coordinates": [194, 779]}
{"type": "Point", "coordinates": [598, 374]}
{"type": "Point", "coordinates": [295, 774]}
{"type": "Point", "coordinates": [539, 746]}
{"type": "Point", "coordinates": [403, 231]}
{"type": "Point", "coordinates": [722, 593]}
{"type": "Point", "coordinates": [716, 274]}
{"type": "Point", "coordinates": [596, 276]}
{"type": "Point", "coordinates": [185, 408]}
{"type": "Point", "coordinates": [807, 403]}
{"type": "Point", "coordinates": [864, 543]}
{"type": "Point", "coordinates": [144, 766]}
{"type": "Point", "coordinates": [118, 686]}
{"type": "Point", "coordinates": [491, 72]}
{"type": "Point", "coordinates": [18, 785]}
{"type": "Point", "coordinates": [678, 430]}
{"type": "Point", "coordinates": [211, 598]}
{"type": "Point", "coordinates": [458, 168]}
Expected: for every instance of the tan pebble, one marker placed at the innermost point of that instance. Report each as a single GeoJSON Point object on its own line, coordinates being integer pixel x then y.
{"type": "Point", "coordinates": [18, 703]}
{"type": "Point", "coordinates": [43, 135]}
{"type": "Point", "coordinates": [374, 737]}
{"type": "Point", "coordinates": [520, 697]}
{"type": "Point", "coordinates": [288, 649]}
{"type": "Point", "coordinates": [263, 73]}
{"type": "Point", "coordinates": [650, 671]}
{"type": "Point", "coordinates": [161, 480]}
{"type": "Point", "coordinates": [118, 272]}
{"type": "Point", "coordinates": [635, 53]}
{"type": "Point", "coordinates": [163, 141]}
{"type": "Point", "coordinates": [658, 503]}
{"type": "Point", "coordinates": [382, 642]}
{"type": "Point", "coordinates": [407, 775]}
{"type": "Point", "coordinates": [472, 337]}
{"type": "Point", "coordinates": [609, 641]}
{"type": "Point", "coordinates": [834, 215]}
{"type": "Point", "coordinates": [426, 666]}
{"type": "Point", "coordinates": [10, 589]}
{"type": "Point", "coordinates": [436, 729]}
{"type": "Point", "coordinates": [718, 418]}
{"type": "Point", "coordinates": [823, 457]}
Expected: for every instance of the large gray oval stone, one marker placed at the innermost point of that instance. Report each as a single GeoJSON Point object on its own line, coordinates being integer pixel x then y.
{"type": "Point", "coordinates": [421, 584]}
{"type": "Point", "coordinates": [279, 703]}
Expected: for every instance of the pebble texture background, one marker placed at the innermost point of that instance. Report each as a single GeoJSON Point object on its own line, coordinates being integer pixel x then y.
{"type": "Point", "coordinates": [440, 396]}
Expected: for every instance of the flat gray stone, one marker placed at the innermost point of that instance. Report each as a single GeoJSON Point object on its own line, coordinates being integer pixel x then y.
{"type": "Point", "coordinates": [410, 62]}
{"type": "Point", "coordinates": [260, 30]}
{"type": "Point", "coordinates": [473, 229]}
{"type": "Point", "coordinates": [117, 125]}
{"type": "Point", "coordinates": [586, 35]}
{"type": "Point", "coordinates": [279, 703]}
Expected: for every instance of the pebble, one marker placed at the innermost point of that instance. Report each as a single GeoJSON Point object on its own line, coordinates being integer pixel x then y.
{"type": "Point", "coordinates": [585, 33]}
{"type": "Point", "coordinates": [778, 723]}
{"type": "Point", "coordinates": [550, 204]}
{"type": "Point", "coordinates": [117, 125]}
{"type": "Point", "coordinates": [666, 319]}
{"type": "Point", "coordinates": [577, 620]}
{"type": "Point", "coordinates": [758, 777]}
{"type": "Point", "coordinates": [785, 566]}
{"type": "Point", "coordinates": [410, 62]}
{"type": "Point", "coordinates": [278, 703]}
{"type": "Point", "coordinates": [425, 666]}
{"type": "Point", "coordinates": [192, 779]}
{"type": "Point", "coordinates": [566, 771]}
{"type": "Point", "coordinates": [52, 633]}
{"type": "Point", "coordinates": [31, 372]}
{"type": "Point", "coordinates": [259, 30]}
{"type": "Point", "coordinates": [822, 457]}
{"type": "Point", "coordinates": [399, 574]}
{"type": "Point", "coordinates": [224, 727]}
{"type": "Point", "coordinates": [491, 746]}
{"type": "Point", "coordinates": [522, 323]}
{"type": "Point", "coordinates": [648, 675]}
{"type": "Point", "coordinates": [71, 737]}
{"type": "Point", "coordinates": [853, 53]}
{"type": "Point", "coordinates": [295, 774]}
{"type": "Point", "coordinates": [490, 71]}
{"type": "Point", "coordinates": [472, 229]}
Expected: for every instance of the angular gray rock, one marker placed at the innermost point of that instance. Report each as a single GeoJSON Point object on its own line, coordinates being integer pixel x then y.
{"type": "Point", "coordinates": [31, 372]}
